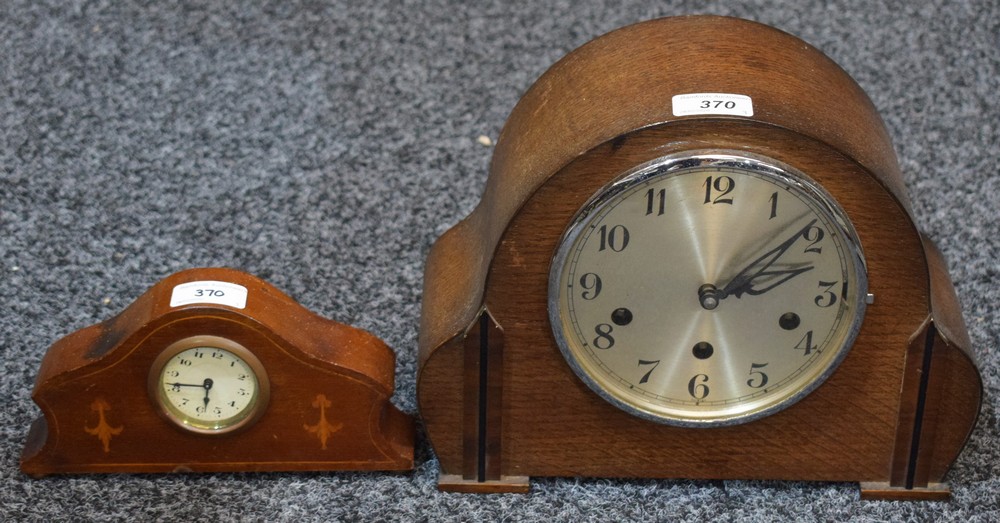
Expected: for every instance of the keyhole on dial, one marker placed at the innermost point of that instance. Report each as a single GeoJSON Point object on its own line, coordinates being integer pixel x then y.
{"type": "Point", "coordinates": [703, 350]}
{"type": "Point", "coordinates": [621, 316]}
{"type": "Point", "coordinates": [789, 321]}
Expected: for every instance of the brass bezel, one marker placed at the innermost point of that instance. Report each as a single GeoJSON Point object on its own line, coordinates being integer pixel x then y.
{"type": "Point", "coordinates": [253, 412]}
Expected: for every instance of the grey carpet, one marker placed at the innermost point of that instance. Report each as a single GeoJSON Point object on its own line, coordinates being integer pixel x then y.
{"type": "Point", "coordinates": [324, 147]}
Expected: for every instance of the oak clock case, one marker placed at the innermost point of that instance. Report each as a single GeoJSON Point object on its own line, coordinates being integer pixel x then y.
{"type": "Point", "coordinates": [847, 364]}
{"type": "Point", "coordinates": [215, 370]}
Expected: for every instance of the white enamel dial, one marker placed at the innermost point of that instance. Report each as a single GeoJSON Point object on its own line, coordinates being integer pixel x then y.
{"type": "Point", "coordinates": [708, 288]}
{"type": "Point", "coordinates": [209, 384]}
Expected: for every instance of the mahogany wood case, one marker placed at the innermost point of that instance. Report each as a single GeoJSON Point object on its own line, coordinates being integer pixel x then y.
{"type": "Point", "coordinates": [328, 406]}
{"type": "Point", "coordinates": [499, 401]}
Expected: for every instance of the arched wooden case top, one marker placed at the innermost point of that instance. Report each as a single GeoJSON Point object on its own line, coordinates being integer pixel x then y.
{"type": "Point", "coordinates": [500, 402]}
{"type": "Point", "coordinates": [321, 399]}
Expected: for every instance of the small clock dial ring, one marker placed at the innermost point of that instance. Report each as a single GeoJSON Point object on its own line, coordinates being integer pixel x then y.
{"type": "Point", "coordinates": [209, 385]}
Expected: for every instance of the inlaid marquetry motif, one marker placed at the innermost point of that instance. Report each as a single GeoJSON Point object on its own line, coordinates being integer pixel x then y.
{"type": "Point", "coordinates": [322, 429]}
{"type": "Point", "coordinates": [103, 430]}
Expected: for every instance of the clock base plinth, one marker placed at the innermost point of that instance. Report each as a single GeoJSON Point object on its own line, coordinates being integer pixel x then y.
{"type": "Point", "coordinates": [885, 492]}
{"type": "Point", "coordinates": [506, 484]}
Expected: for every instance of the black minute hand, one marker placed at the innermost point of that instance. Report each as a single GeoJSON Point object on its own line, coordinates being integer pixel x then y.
{"type": "Point", "coordinates": [758, 271]}
{"type": "Point", "coordinates": [199, 385]}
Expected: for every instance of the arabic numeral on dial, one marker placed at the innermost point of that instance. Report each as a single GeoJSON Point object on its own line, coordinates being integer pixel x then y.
{"type": "Point", "coordinates": [604, 340]}
{"type": "Point", "coordinates": [645, 377]}
{"type": "Point", "coordinates": [659, 198]}
{"type": "Point", "coordinates": [697, 388]}
{"type": "Point", "coordinates": [757, 378]}
{"type": "Point", "coordinates": [591, 284]}
{"type": "Point", "coordinates": [814, 235]}
{"type": "Point", "coordinates": [826, 298]}
{"type": "Point", "coordinates": [774, 205]}
{"type": "Point", "coordinates": [806, 344]}
{"type": "Point", "coordinates": [615, 238]}
{"type": "Point", "coordinates": [722, 185]}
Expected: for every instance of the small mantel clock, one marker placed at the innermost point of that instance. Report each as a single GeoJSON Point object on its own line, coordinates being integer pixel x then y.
{"type": "Point", "coordinates": [694, 258]}
{"type": "Point", "coordinates": [215, 370]}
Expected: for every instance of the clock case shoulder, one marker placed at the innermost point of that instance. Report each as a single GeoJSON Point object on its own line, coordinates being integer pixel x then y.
{"type": "Point", "coordinates": [615, 91]}
{"type": "Point", "coordinates": [316, 353]}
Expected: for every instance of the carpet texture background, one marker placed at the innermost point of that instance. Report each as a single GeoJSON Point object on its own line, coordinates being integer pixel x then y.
{"type": "Point", "coordinates": [324, 146]}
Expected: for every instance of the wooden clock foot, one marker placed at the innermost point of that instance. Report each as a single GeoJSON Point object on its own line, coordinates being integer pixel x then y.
{"type": "Point", "coordinates": [506, 484]}
{"type": "Point", "coordinates": [886, 492]}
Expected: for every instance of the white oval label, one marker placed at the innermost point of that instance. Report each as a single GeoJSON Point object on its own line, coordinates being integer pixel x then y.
{"type": "Point", "coordinates": [712, 103]}
{"type": "Point", "coordinates": [216, 292]}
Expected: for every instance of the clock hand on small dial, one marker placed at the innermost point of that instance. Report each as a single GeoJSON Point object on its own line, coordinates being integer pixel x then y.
{"type": "Point", "coordinates": [208, 387]}
{"type": "Point", "coordinates": [199, 385]}
{"type": "Point", "coordinates": [207, 384]}
{"type": "Point", "coordinates": [709, 295]}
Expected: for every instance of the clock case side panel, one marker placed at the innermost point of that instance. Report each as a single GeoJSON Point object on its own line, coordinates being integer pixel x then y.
{"type": "Point", "coordinates": [454, 277]}
{"type": "Point", "coordinates": [956, 382]}
{"type": "Point", "coordinates": [608, 88]}
{"type": "Point", "coordinates": [117, 343]}
{"type": "Point", "coordinates": [948, 396]}
{"type": "Point", "coordinates": [941, 396]}
{"type": "Point", "coordinates": [91, 347]}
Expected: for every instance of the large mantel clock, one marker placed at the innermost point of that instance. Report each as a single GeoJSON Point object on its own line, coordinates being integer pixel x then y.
{"type": "Point", "coordinates": [694, 258]}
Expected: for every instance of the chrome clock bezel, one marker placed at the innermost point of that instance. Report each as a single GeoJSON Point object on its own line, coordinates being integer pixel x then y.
{"type": "Point", "coordinates": [671, 165]}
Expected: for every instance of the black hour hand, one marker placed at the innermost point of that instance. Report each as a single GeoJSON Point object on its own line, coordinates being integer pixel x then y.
{"type": "Point", "coordinates": [768, 280]}
{"type": "Point", "coordinates": [758, 278]}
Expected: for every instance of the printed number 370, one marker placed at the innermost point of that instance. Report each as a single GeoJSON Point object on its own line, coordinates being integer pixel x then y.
{"type": "Point", "coordinates": [715, 104]}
